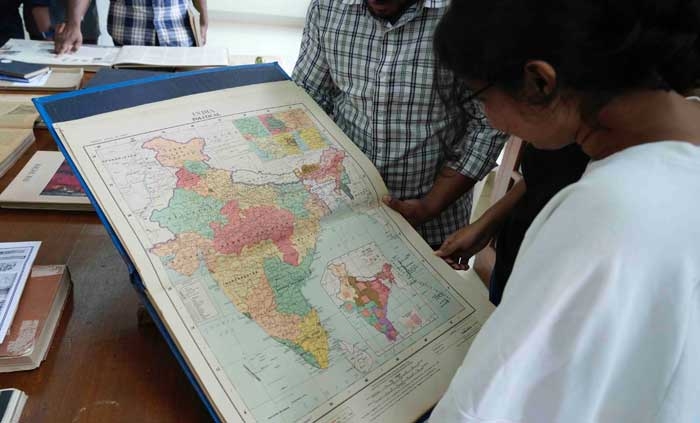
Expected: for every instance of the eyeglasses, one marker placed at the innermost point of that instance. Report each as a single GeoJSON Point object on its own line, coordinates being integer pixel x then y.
{"type": "Point", "coordinates": [476, 107]}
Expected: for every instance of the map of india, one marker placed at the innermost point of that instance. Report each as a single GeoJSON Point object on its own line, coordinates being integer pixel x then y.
{"type": "Point", "coordinates": [250, 247]}
{"type": "Point", "coordinates": [269, 239]}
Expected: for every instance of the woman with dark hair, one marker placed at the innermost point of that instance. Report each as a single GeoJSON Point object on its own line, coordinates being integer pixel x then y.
{"type": "Point", "coordinates": [600, 321]}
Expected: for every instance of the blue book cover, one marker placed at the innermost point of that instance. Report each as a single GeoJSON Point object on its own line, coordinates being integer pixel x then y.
{"type": "Point", "coordinates": [16, 69]}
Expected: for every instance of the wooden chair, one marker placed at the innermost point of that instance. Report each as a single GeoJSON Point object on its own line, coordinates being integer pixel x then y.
{"type": "Point", "coordinates": [506, 175]}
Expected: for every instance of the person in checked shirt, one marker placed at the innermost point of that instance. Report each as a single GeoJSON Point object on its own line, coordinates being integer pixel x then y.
{"type": "Point", "coordinates": [136, 22]}
{"type": "Point", "coordinates": [369, 64]}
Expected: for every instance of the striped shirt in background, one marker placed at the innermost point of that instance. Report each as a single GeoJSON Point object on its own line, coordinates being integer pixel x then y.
{"type": "Point", "coordinates": [150, 23]}
{"type": "Point", "coordinates": [376, 80]}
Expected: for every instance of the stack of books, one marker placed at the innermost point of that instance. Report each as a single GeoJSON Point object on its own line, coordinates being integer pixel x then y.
{"type": "Point", "coordinates": [16, 134]}
{"type": "Point", "coordinates": [18, 75]}
{"type": "Point", "coordinates": [15, 71]}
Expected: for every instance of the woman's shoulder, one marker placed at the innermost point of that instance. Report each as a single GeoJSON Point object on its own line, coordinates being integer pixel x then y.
{"type": "Point", "coordinates": [641, 195]}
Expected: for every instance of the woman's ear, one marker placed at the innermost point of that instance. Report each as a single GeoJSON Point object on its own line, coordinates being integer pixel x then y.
{"type": "Point", "coordinates": [540, 80]}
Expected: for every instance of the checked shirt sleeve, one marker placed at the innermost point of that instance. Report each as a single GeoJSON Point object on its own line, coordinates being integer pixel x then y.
{"type": "Point", "coordinates": [479, 149]}
{"type": "Point", "coordinates": [311, 70]}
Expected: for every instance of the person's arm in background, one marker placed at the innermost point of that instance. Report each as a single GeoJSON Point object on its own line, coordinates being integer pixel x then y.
{"type": "Point", "coordinates": [477, 155]}
{"type": "Point", "coordinates": [201, 6]}
{"type": "Point", "coordinates": [311, 71]}
{"type": "Point", "coordinates": [472, 238]}
{"type": "Point", "coordinates": [42, 17]}
{"type": "Point", "coordinates": [68, 36]}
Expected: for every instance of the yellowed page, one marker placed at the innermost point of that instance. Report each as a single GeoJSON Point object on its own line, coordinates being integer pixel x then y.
{"type": "Point", "coordinates": [256, 227]}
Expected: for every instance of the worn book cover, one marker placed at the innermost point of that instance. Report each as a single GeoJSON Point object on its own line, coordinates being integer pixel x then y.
{"type": "Point", "coordinates": [37, 317]}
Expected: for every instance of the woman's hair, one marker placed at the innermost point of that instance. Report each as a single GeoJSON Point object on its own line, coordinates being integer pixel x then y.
{"type": "Point", "coordinates": [598, 48]}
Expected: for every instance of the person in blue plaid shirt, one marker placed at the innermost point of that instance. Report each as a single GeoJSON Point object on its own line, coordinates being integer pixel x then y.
{"type": "Point", "coordinates": [370, 65]}
{"type": "Point", "coordinates": [136, 22]}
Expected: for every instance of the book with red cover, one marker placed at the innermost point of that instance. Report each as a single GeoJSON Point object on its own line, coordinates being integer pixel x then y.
{"type": "Point", "coordinates": [37, 317]}
{"type": "Point", "coordinates": [46, 182]}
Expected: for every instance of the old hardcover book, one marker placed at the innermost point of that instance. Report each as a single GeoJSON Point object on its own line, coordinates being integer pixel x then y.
{"type": "Point", "coordinates": [46, 182]}
{"type": "Point", "coordinates": [37, 317]}
{"type": "Point", "coordinates": [13, 143]}
{"type": "Point", "coordinates": [255, 230]}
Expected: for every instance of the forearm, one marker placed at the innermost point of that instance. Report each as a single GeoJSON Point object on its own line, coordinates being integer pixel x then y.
{"type": "Point", "coordinates": [494, 217]}
{"type": "Point", "coordinates": [201, 6]}
{"type": "Point", "coordinates": [42, 18]}
{"type": "Point", "coordinates": [447, 188]}
{"type": "Point", "coordinates": [76, 9]}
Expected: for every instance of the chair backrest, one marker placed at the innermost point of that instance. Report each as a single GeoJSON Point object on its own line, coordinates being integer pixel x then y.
{"type": "Point", "coordinates": [506, 175]}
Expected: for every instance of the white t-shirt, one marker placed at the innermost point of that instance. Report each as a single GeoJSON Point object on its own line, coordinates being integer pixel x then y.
{"type": "Point", "coordinates": [600, 320]}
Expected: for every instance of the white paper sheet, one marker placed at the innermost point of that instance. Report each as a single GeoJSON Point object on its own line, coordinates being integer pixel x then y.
{"type": "Point", "coordinates": [16, 259]}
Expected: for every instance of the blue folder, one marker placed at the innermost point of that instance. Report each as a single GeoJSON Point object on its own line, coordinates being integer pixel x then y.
{"type": "Point", "coordinates": [107, 98]}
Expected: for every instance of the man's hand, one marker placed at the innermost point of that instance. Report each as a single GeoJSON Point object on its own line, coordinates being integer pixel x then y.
{"type": "Point", "coordinates": [459, 247]}
{"type": "Point", "coordinates": [415, 211]}
{"type": "Point", "coordinates": [68, 38]}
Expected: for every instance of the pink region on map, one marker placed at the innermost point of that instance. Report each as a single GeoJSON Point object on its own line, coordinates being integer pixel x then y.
{"type": "Point", "coordinates": [186, 179]}
{"type": "Point", "coordinates": [254, 225]}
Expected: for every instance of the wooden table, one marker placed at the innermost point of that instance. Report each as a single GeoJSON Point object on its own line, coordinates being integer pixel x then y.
{"type": "Point", "coordinates": [101, 366]}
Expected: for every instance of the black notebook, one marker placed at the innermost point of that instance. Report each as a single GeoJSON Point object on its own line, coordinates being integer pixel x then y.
{"type": "Point", "coordinates": [11, 405]}
{"type": "Point", "coordinates": [23, 70]}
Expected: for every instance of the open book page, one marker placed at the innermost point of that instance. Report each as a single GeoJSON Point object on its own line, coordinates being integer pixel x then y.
{"type": "Point", "coordinates": [43, 52]}
{"type": "Point", "coordinates": [257, 229]}
{"type": "Point", "coordinates": [179, 57]}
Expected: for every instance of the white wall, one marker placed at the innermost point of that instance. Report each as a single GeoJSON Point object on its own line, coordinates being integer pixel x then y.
{"type": "Point", "coordinates": [279, 8]}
